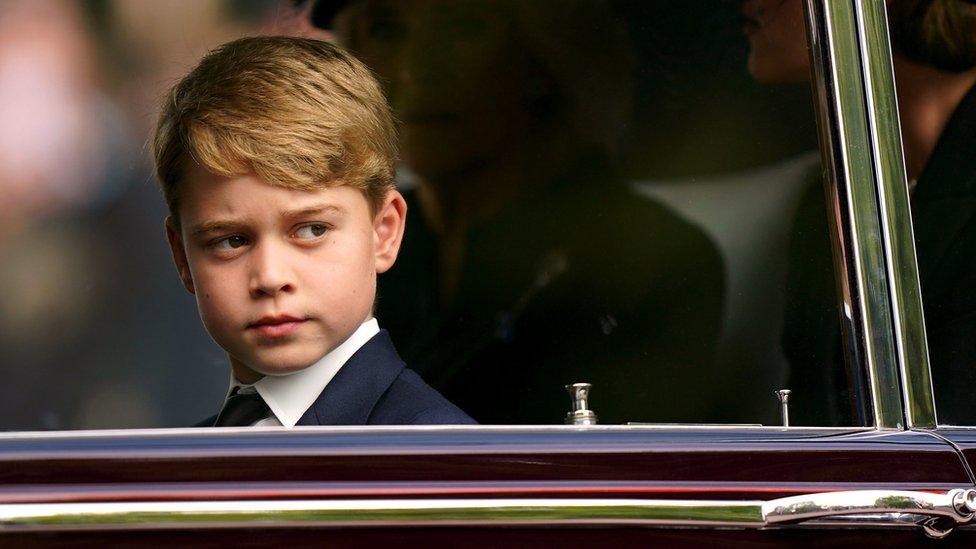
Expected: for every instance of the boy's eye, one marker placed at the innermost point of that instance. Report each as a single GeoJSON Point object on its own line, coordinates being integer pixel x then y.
{"type": "Point", "coordinates": [311, 231]}
{"type": "Point", "coordinates": [230, 243]}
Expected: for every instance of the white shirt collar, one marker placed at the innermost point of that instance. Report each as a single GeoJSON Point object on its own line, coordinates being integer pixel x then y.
{"type": "Point", "coordinates": [289, 396]}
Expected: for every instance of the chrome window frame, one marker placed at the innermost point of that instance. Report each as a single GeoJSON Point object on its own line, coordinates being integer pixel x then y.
{"type": "Point", "coordinates": [865, 184]}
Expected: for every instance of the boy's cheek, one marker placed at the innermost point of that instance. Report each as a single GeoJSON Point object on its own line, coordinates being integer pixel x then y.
{"type": "Point", "coordinates": [217, 315]}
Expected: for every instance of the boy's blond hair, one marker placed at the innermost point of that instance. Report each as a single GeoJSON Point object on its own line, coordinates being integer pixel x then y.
{"type": "Point", "coordinates": [296, 112]}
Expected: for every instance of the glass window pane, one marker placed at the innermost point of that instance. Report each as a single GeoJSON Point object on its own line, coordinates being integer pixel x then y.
{"type": "Point", "coordinates": [624, 194]}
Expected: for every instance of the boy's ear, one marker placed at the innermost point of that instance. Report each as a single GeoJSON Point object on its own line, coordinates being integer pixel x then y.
{"type": "Point", "coordinates": [388, 227]}
{"type": "Point", "coordinates": [179, 254]}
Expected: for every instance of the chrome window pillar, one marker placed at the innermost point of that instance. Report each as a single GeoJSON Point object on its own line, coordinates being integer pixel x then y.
{"type": "Point", "coordinates": [877, 276]}
{"type": "Point", "coordinates": [896, 219]}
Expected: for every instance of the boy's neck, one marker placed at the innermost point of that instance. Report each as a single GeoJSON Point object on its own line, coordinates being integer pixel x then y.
{"type": "Point", "coordinates": [243, 374]}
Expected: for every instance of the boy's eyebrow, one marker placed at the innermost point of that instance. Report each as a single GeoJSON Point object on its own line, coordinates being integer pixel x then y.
{"type": "Point", "coordinates": [314, 209]}
{"type": "Point", "coordinates": [213, 226]}
{"type": "Point", "coordinates": [222, 225]}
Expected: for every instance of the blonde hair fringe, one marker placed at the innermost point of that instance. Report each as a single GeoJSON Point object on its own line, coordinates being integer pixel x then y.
{"type": "Point", "coordinates": [296, 112]}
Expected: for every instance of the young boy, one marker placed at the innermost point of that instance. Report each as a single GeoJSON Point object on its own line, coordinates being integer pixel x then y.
{"type": "Point", "coordinates": [276, 158]}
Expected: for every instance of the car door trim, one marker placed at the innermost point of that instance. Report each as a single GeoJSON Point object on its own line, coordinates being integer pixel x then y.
{"type": "Point", "coordinates": [883, 507]}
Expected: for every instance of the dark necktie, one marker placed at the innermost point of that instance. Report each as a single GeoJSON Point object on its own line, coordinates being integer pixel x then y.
{"type": "Point", "coordinates": [241, 410]}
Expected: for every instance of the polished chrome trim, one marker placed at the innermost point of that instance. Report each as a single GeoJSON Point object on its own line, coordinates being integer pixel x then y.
{"type": "Point", "coordinates": [391, 512]}
{"type": "Point", "coordinates": [868, 502]}
{"type": "Point", "coordinates": [896, 219]}
{"type": "Point", "coordinates": [882, 507]}
{"type": "Point", "coordinates": [870, 520]}
{"type": "Point", "coordinates": [936, 514]}
{"type": "Point", "coordinates": [857, 236]}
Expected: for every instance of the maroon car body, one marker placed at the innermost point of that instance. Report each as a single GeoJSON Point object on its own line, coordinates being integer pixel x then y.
{"type": "Point", "coordinates": [438, 467]}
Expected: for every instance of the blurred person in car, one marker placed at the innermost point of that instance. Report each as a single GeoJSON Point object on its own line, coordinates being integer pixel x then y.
{"type": "Point", "coordinates": [934, 59]}
{"type": "Point", "coordinates": [529, 263]}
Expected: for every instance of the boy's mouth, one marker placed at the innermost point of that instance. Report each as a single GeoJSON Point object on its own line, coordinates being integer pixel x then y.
{"type": "Point", "coordinates": [276, 326]}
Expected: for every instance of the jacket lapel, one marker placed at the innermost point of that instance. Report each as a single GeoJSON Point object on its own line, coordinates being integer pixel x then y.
{"type": "Point", "coordinates": [352, 394]}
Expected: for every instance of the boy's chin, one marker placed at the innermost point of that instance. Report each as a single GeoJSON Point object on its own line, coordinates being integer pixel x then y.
{"type": "Point", "coordinates": [282, 363]}
{"type": "Point", "coordinates": [278, 369]}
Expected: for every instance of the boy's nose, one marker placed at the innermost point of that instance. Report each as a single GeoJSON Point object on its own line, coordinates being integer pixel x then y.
{"type": "Point", "coordinates": [269, 273]}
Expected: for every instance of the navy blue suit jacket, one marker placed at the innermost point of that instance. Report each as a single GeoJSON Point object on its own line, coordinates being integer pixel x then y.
{"type": "Point", "coordinates": [374, 387]}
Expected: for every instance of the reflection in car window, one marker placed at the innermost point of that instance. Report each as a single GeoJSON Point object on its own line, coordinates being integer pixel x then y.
{"type": "Point", "coordinates": [935, 71]}
{"type": "Point", "coordinates": [531, 260]}
{"type": "Point", "coordinates": [532, 263]}
{"type": "Point", "coordinates": [811, 341]}
{"type": "Point", "coordinates": [609, 195]}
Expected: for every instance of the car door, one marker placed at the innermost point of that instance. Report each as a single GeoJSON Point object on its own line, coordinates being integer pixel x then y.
{"type": "Point", "coordinates": [480, 486]}
{"type": "Point", "coordinates": [892, 477]}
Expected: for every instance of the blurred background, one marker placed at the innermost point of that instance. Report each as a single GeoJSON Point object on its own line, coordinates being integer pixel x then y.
{"type": "Point", "coordinates": [95, 329]}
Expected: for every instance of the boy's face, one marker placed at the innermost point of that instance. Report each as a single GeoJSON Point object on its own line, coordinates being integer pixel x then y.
{"type": "Point", "coordinates": [281, 276]}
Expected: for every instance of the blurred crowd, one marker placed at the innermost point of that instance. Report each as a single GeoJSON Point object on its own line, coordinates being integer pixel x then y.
{"type": "Point", "coordinates": [94, 327]}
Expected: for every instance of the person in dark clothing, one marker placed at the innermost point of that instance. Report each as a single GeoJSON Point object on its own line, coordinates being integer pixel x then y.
{"type": "Point", "coordinates": [934, 57]}
{"type": "Point", "coordinates": [529, 262]}
{"type": "Point", "coordinates": [575, 294]}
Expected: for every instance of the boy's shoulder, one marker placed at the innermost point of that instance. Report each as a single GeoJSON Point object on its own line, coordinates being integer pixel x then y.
{"type": "Point", "coordinates": [374, 387]}
{"type": "Point", "coordinates": [410, 401]}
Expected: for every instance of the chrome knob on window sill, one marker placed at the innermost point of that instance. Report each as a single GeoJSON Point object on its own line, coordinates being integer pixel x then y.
{"type": "Point", "coordinates": [581, 414]}
{"type": "Point", "coordinates": [784, 401]}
